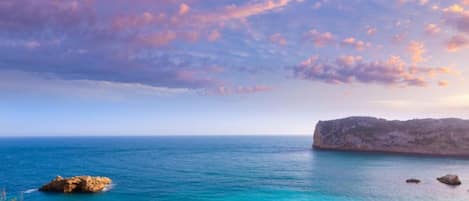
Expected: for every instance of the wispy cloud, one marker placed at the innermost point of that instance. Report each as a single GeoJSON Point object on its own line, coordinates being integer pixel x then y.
{"type": "Point", "coordinates": [416, 50]}
{"type": "Point", "coordinates": [371, 31]}
{"type": "Point", "coordinates": [86, 89]}
{"type": "Point", "coordinates": [432, 29]}
{"type": "Point", "coordinates": [320, 39]}
{"type": "Point", "coordinates": [457, 42]}
{"type": "Point", "coordinates": [278, 39]}
{"type": "Point", "coordinates": [355, 43]}
{"type": "Point", "coordinates": [133, 45]}
{"type": "Point", "coordinates": [238, 90]}
{"type": "Point", "coordinates": [353, 69]}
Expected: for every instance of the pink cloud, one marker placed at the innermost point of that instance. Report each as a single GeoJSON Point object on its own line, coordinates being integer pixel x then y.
{"type": "Point", "coordinates": [157, 39]}
{"type": "Point", "coordinates": [109, 43]}
{"type": "Point", "coordinates": [354, 43]}
{"type": "Point", "coordinates": [232, 13]}
{"type": "Point", "coordinates": [416, 50]}
{"type": "Point", "coordinates": [371, 31]}
{"type": "Point", "coordinates": [191, 36]}
{"type": "Point", "coordinates": [443, 83]}
{"type": "Point", "coordinates": [457, 42]}
{"type": "Point", "coordinates": [420, 2]}
{"type": "Point", "coordinates": [457, 17]}
{"type": "Point", "coordinates": [183, 9]}
{"type": "Point", "coordinates": [195, 22]}
{"type": "Point", "coordinates": [214, 35]}
{"type": "Point", "coordinates": [278, 39]}
{"type": "Point", "coordinates": [352, 69]}
{"type": "Point", "coordinates": [398, 38]}
{"type": "Point", "coordinates": [235, 12]}
{"type": "Point", "coordinates": [432, 29]}
{"type": "Point", "coordinates": [320, 39]}
{"type": "Point", "coordinates": [136, 21]}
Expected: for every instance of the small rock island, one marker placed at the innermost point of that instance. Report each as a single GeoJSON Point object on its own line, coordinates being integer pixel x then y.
{"type": "Point", "coordinates": [450, 179]}
{"type": "Point", "coordinates": [445, 137]}
{"type": "Point", "coordinates": [77, 184]}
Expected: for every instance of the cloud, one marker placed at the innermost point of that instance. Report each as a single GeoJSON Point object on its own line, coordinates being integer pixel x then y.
{"type": "Point", "coordinates": [30, 15]}
{"type": "Point", "coordinates": [32, 44]}
{"type": "Point", "coordinates": [352, 69]}
{"type": "Point", "coordinates": [354, 43]}
{"type": "Point", "coordinates": [242, 12]}
{"type": "Point", "coordinates": [137, 21]}
{"type": "Point", "coordinates": [187, 24]}
{"type": "Point", "coordinates": [398, 38]}
{"type": "Point", "coordinates": [371, 31]}
{"type": "Point", "coordinates": [159, 69]}
{"type": "Point", "coordinates": [416, 49]}
{"type": "Point", "coordinates": [51, 85]}
{"type": "Point", "coordinates": [443, 83]}
{"type": "Point", "coordinates": [457, 42]}
{"type": "Point", "coordinates": [214, 35]}
{"type": "Point", "coordinates": [278, 39]}
{"type": "Point", "coordinates": [77, 41]}
{"type": "Point", "coordinates": [183, 9]}
{"type": "Point", "coordinates": [420, 2]}
{"type": "Point", "coordinates": [238, 90]}
{"type": "Point", "coordinates": [320, 39]}
{"type": "Point", "coordinates": [432, 29]}
{"type": "Point", "coordinates": [457, 17]}
{"type": "Point", "coordinates": [157, 39]}
{"type": "Point", "coordinates": [455, 8]}
{"type": "Point", "coordinates": [423, 2]}
{"type": "Point", "coordinates": [317, 5]}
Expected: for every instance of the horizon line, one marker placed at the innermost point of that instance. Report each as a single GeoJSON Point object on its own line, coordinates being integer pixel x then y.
{"type": "Point", "coordinates": [156, 135]}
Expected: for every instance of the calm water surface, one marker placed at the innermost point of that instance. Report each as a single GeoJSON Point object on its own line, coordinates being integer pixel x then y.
{"type": "Point", "coordinates": [223, 168]}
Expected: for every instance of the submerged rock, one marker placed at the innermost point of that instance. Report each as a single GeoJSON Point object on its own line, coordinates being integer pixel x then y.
{"type": "Point", "coordinates": [420, 136]}
{"type": "Point", "coordinates": [77, 184]}
{"type": "Point", "coordinates": [415, 181]}
{"type": "Point", "coordinates": [450, 179]}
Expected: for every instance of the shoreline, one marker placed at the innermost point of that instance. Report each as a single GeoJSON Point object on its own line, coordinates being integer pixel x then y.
{"type": "Point", "coordinates": [402, 153]}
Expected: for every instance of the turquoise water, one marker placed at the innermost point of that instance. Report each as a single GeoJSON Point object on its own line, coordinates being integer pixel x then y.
{"type": "Point", "coordinates": [223, 168]}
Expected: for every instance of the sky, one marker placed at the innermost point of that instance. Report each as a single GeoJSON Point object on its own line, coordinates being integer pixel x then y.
{"type": "Point", "coordinates": [227, 67]}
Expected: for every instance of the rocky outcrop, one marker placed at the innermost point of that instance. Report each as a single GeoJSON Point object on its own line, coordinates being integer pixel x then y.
{"type": "Point", "coordinates": [420, 136]}
{"type": "Point", "coordinates": [450, 179]}
{"type": "Point", "coordinates": [78, 184]}
{"type": "Point", "coordinates": [415, 181]}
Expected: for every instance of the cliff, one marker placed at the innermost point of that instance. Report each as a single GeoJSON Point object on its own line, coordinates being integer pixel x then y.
{"type": "Point", "coordinates": [420, 136]}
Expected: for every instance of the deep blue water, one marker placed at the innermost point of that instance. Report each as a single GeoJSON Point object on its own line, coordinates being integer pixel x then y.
{"type": "Point", "coordinates": [223, 168]}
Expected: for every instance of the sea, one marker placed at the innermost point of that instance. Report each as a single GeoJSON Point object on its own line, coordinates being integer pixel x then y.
{"type": "Point", "coordinates": [223, 168]}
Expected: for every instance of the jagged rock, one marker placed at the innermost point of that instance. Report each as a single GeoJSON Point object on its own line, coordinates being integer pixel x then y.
{"type": "Point", "coordinates": [415, 181]}
{"type": "Point", "coordinates": [450, 179]}
{"type": "Point", "coordinates": [77, 184]}
{"type": "Point", "coordinates": [421, 136]}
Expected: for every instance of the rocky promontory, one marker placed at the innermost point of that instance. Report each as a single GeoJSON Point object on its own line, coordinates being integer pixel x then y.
{"type": "Point", "coordinates": [448, 137]}
{"type": "Point", "coordinates": [77, 184]}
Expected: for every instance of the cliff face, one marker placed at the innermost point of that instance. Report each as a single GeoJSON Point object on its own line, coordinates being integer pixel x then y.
{"type": "Point", "coordinates": [420, 136]}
